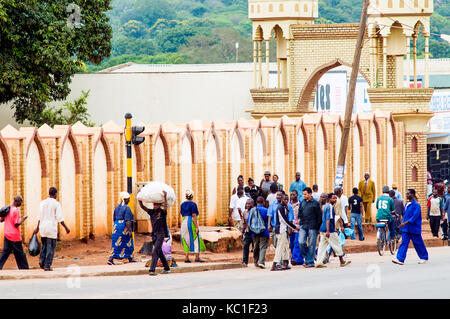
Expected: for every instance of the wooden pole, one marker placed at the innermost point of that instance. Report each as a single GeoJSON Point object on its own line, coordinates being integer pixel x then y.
{"type": "Point", "coordinates": [339, 180]}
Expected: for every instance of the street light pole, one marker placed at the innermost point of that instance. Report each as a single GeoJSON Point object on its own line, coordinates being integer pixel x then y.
{"type": "Point", "coordinates": [339, 180]}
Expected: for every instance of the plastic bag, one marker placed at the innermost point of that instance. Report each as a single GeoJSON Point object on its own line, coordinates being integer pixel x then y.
{"type": "Point", "coordinates": [349, 232]}
{"type": "Point", "coordinates": [152, 193]}
{"type": "Point", "coordinates": [342, 238]}
{"type": "Point", "coordinates": [34, 248]}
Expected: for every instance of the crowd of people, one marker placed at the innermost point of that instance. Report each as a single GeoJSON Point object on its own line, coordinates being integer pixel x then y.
{"type": "Point", "coordinates": [294, 221]}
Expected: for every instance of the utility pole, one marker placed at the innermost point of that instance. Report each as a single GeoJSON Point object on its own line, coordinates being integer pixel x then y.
{"type": "Point", "coordinates": [339, 180]}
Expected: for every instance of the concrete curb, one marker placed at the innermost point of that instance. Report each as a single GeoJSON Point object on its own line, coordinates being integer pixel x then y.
{"type": "Point", "coordinates": [119, 270]}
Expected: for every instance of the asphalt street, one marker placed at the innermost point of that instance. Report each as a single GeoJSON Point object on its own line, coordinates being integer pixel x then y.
{"type": "Point", "coordinates": [368, 276]}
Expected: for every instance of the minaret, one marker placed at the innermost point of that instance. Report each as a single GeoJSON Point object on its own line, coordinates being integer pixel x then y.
{"type": "Point", "coordinates": [273, 19]}
{"type": "Point", "coordinates": [394, 26]}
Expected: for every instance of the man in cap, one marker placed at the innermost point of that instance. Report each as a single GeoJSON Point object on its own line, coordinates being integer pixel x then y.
{"type": "Point", "coordinates": [397, 193]}
{"type": "Point", "coordinates": [366, 188]}
{"type": "Point", "coordinates": [385, 207]}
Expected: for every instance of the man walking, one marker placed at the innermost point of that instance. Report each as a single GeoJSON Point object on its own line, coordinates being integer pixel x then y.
{"type": "Point", "coordinates": [328, 235]}
{"type": "Point", "coordinates": [341, 207]}
{"type": "Point", "coordinates": [356, 213]}
{"type": "Point", "coordinates": [246, 235]}
{"type": "Point", "coordinates": [261, 241]}
{"type": "Point", "coordinates": [234, 218]}
{"type": "Point", "coordinates": [411, 230]}
{"type": "Point", "coordinates": [298, 185]}
{"type": "Point", "coordinates": [13, 239]}
{"type": "Point", "coordinates": [366, 188]}
{"type": "Point", "coordinates": [281, 230]}
{"type": "Point", "coordinates": [310, 217]}
{"type": "Point", "coordinates": [294, 245]}
{"type": "Point", "coordinates": [50, 214]}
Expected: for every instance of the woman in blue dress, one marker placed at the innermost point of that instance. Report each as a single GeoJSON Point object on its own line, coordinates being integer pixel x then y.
{"type": "Point", "coordinates": [122, 243]}
{"type": "Point", "coordinates": [190, 233]}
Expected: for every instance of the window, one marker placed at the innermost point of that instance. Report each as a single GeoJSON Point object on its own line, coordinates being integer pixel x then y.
{"type": "Point", "coordinates": [414, 145]}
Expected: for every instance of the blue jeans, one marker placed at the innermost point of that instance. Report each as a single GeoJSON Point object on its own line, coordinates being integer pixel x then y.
{"type": "Point", "coordinates": [308, 251]}
{"type": "Point", "coordinates": [358, 219]}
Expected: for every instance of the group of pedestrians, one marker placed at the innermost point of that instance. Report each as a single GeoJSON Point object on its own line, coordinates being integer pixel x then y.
{"type": "Point", "coordinates": [50, 214]}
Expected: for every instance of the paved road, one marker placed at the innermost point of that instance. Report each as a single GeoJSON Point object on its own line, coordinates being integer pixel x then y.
{"type": "Point", "coordinates": [369, 276]}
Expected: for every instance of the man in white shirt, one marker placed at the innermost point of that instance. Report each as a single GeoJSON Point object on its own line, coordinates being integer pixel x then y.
{"type": "Point", "coordinates": [50, 214]}
{"type": "Point", "coordinates": [237, 202]}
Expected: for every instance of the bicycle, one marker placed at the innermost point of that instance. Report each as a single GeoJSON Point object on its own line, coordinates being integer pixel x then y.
{"type": "Point", "coordinates": [382, 238]}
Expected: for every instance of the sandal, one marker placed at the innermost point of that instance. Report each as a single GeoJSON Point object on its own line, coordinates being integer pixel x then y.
{"type": "Point", "coordinates": [199, 261]}
{"type": "Point", "coordinates": [110, 262]}
{"type": "Point", "coordinates": [187, 261]}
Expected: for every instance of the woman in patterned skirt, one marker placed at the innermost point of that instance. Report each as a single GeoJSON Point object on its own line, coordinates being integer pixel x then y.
{"type": "Point", "coordinates": [190, 233]}
{"type": "Point", "coordinates": [122, 243]}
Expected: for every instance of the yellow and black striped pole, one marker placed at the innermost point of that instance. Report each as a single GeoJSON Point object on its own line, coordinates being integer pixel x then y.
{"type": "Point", "coordinates": [128, 137]}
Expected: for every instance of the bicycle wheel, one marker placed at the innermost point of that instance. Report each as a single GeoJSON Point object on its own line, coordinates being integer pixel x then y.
{"type": "Point", "coordinates": [380, 241]}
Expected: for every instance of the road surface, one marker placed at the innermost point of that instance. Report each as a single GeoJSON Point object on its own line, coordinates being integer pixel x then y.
{"type": "Point", "coordinates": [368, 276]}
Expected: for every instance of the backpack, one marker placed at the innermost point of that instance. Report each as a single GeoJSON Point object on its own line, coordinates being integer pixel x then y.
{"type": "Point", "coordinates": [4, 211]}
{"type": "Point", "coordinates": [256, 222]}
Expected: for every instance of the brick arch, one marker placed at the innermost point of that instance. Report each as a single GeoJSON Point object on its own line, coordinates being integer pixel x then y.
{"type": "Point", "coordinates": [187, 134]}
{"type": "Point", "coordinates": [324, 131]}
{"type": "Point", "coordinates": [284, 136]}
{"type": "Point", "coordinates": [394, 130]}
{"type": "Point", "coordinates": [305, 136]}
{"type": "Point", "coordinates": [308, 88]}
{"type": "Point", "coordinates": [6, 159]}
{"type": "Point", "coordinates": [163, 138]}
{"type": "Point", "coordinates": [377, 129]}
{"type": "Point", "coordinates": [42, 153]}
{"type": "Point", "coordinates": [360, 131]}
{"type": "Point", "coordinates": [212, 133]}
{"type": "Point", "coordinates": [261, 133]}
{"type": "Point", "coordinates": [76, 152]}
{"type": "Point", "coordinates": [238, 133]}
{"type": "Point", "coordinates": [108, 154]}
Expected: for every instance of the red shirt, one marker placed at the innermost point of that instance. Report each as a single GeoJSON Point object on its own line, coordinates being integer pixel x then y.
{"type": "Point", "coordinates": [11, 231]}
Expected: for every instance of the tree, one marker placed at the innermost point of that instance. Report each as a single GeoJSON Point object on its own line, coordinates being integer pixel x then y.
{"type": "Point", "coordinates": [69, 114]}
{"type": "Point", "coordinates": [42, 44]}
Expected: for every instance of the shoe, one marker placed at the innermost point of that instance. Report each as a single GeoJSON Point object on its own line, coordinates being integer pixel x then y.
{"type": "Point", "coordinates": [422, 261]}
{"type": "Point", "coordinates": [48, 269]}
{"type": "Point", "coordinates": [187, 261]}
{"type": "Point", "coordinates": [199, 260]}
{"type": "Point", "coordinates": [262, 266]}
{"type": "Point", "coordinates": [41, 265]}
{"type": "Point", "coordinates": [131, 260]}
{"type": "Point", "coordinates": [244, 264]}
{"type": "Point", "coordinates": [320, 266]}
{"type": "Point", "coordinates": [346, 263]}
{"type": "Point", "coordinates": [110, 262]}
{"type": "Point", "coordinates": [398, 262]}
{"type": "Point", "coordinates": [166, 271]}
{"type": "Point", "coordinates": [362, 239]}
{"type": "Point", "coordinates": [152, 273]}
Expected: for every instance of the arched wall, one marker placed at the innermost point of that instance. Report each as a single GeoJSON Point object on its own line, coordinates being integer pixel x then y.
{"type": "Point", "coordinates": [33, 188]}
{"type": "Point", "coordinates": [67, 190]}
{"type": "Point", "coordinates": [301, 153]}
{"type": "Point", "coordinates": [320, 159]}
{"type": "Point", "coordinates": [100, 191]}
{"type": "Point", "coordinates": [235, 159]}
{"type": "Point", "coordinates": [357, 175]}
{"type": "Point", "coordinates": [258, 158]}
{"type": "Point", "coordinates": [390, 154]}
{"type": "Point", "coordinates": [280, 157]}
{"type": "Point", "coordinates": [211, 181]}
{"type": "Point", "coordinates": [159, 161]}
{"type": "Point", "coordinates": [374, 160]}
{"type": "Point", "coordinates": [186, 165]}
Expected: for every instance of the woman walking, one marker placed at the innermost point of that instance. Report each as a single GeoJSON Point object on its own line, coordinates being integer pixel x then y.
{"type": "Point", "coordinates": [190, 232]}
{"type": "Point", "coordinates": [122, 243]}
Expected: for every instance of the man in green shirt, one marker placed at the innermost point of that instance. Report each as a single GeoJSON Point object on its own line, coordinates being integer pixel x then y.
{"type": "Point", "coordinates": [385, 208]}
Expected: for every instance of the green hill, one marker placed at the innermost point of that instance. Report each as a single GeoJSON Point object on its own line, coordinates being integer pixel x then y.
{"type": "Point", "coordinates": [206, 31]}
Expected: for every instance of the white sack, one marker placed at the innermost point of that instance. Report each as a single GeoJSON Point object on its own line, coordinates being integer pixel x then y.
{"type": "Point", "coordinates": [152, 192]}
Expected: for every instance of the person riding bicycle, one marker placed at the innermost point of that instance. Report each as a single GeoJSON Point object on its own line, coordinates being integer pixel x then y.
{"type": "Point", "coordinates": [385, 207]}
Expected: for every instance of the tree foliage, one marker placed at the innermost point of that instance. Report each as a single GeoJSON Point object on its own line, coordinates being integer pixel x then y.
{"type": "Point", "coordinates": [69, 114]}
{"type": "Point", "coordinates": [42, 44]}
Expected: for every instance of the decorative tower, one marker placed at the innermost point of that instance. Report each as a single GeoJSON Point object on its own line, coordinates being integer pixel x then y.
{"type": "Point", "coordinates": [392, 26]}
{"type": "Point", "coordinates": [273, 19]}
